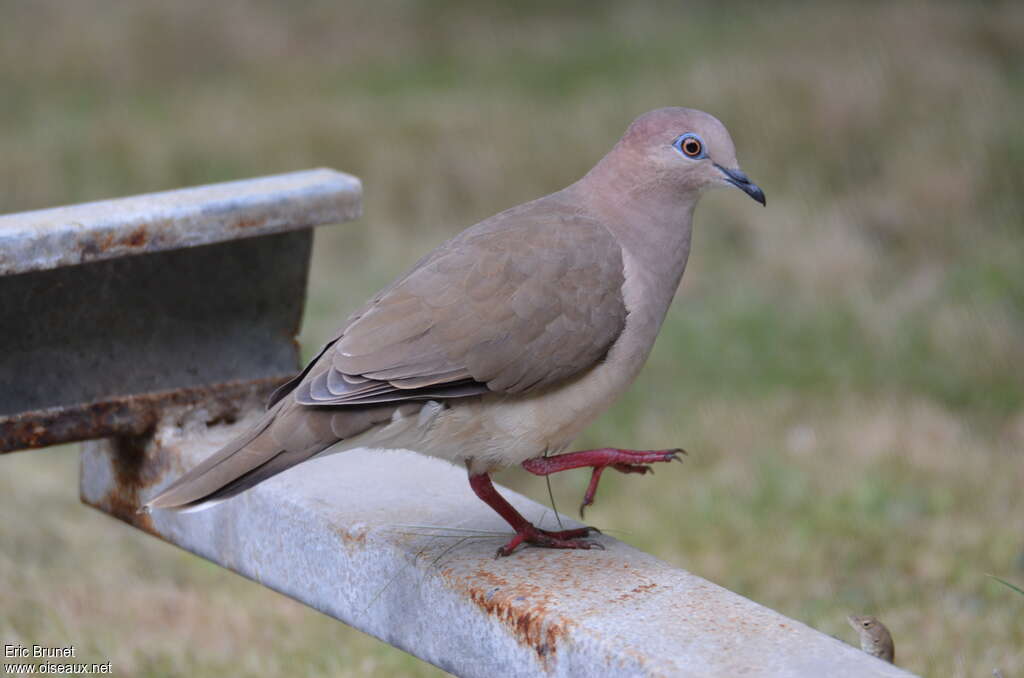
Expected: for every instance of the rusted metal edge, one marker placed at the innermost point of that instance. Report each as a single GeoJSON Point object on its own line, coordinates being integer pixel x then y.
{"type": "Point", "coordinates": [128, 415]}
{"type": "Point", "coordinates": [76, 234]}
{"type": "Point", "coordinates": [396, 544]}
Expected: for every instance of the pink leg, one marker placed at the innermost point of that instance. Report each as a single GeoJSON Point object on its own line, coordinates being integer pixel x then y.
{"type": "Point", "coordinates": [526, 533]}
{"type": "Point", "coordinates": [623, 461]}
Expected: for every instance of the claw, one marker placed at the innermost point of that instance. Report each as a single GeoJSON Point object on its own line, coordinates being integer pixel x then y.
{"type": "Point", "coordinates": [565, 539]}
{"type": "Point", "coordinates": [623, 461]}
{"type": "Point", "coordinates": [588, 545]}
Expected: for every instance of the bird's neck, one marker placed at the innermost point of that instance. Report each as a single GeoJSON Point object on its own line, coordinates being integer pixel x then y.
{"type": "Point", "coordinates": [652, 224]}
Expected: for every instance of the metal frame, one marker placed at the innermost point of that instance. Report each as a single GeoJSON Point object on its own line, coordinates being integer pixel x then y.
{"type": "Point", "coordinates": [115, 310]}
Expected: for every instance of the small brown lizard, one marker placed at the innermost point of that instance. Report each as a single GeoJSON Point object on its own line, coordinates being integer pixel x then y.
{"type": "Point", "coordinates": [875, 639]}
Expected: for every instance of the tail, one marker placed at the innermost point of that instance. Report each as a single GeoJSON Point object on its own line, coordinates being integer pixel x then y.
{"type": "Point", "coordinates": [286, 435]}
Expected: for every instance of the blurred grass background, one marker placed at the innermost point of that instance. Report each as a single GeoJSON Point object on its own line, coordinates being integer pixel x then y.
{"type": "Point", "coordinates": [846, 367]}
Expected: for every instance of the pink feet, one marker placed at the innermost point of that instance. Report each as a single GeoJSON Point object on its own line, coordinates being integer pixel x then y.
{"type": "Point", "coordinates": [526, 533]}
{"type": "Point", "coordinates": [623, 461]}
{"type": "Point", "coordinates": [566, 539]}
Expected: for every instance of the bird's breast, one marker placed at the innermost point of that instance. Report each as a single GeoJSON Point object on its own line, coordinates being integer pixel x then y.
{"type": "Point", "coordinates": [495, 430]}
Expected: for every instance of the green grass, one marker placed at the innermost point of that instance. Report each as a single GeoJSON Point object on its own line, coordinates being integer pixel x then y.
{"type": "Point", "coordinates": [844, 367]}
{"type": "Point", "coordinates": [1012, 587]}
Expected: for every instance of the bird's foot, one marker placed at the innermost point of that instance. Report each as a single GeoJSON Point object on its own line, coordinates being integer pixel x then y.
{"type": "Point", "coordinates": [623, 461]}
{"type": "Point", "coordinates": [563, 539]}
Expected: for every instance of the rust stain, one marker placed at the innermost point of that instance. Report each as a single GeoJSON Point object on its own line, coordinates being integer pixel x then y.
{"type": "Point", "coordinates": [92, 246]}
{"type": "Point", "coordinates": [490, 578]}
{"type": "Point", "coordinates": [136, 238]}
{"type": "Point", "coordinates": [137, 465]}
{"type": "Point", "coordinates": [138, 462]}
{"type": "Point", "coordinates": [134, 467]}
{"type": "Point", "coordinates": [353, 537]}
{"type": "Point", "coordinates": [126, 510]}
{"type": "Point", "coordinates": [159, 233]}
{"type": "Point", "coordinates": [124, 415]}
{"type": "Point", "coordinates": [251, 222]}
{"type": "Point", "coordinates": [639, 589]}
{"type": "Point", "coordinates": [524, 608]}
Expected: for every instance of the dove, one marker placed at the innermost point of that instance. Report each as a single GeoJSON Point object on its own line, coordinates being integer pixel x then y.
{"type": "Point", "coordinates": [497, 348]}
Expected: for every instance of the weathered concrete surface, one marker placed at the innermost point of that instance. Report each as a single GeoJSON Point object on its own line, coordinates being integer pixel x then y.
{"type": "Point", "coordinates": [395, 544]}
{"type": "Point", "coordinates": [153, 222]}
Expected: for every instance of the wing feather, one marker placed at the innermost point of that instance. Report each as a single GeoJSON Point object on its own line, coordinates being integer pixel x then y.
{"type": "Point", "coordinates": [520, 301]}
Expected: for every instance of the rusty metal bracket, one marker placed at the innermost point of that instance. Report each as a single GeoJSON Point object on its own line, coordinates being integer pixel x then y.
{"type": "Point", "coordinates": [111, 311]}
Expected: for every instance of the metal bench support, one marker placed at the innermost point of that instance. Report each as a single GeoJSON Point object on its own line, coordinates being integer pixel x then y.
{"type": "Point", "coordinates": [113, 310]}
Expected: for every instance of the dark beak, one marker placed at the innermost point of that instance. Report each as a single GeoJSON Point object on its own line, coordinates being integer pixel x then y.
{"type": "Point", "coordinates": [743, 182]}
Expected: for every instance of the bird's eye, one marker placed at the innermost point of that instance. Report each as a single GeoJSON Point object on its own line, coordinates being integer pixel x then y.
{"type": "Point", "coordinates": [867, 624]}
{"type": "Point", "coordinates": [690, 145]}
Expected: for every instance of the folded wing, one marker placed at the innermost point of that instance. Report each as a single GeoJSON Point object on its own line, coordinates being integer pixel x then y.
{"type": "Point", "coordinates": [521, 301]}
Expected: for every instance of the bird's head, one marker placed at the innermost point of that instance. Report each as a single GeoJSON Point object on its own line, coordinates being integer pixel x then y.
{"type": "Point", "coordinates": [869, 628]}
{"type": "Point", "coordinates": [862, 622]}
{"type": "Point", "coordinates": [687, 148]}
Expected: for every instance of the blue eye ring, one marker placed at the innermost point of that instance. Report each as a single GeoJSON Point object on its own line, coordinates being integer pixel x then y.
{"type": "Point", "coordinates": [691, 146]}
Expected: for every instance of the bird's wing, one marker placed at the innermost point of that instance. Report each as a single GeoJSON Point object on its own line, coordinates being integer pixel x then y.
{"type": "Point", "coordinates": [521, 301]}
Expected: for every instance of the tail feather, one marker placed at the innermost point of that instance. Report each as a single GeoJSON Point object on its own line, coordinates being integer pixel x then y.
{"type": "Point", "coordinates": [235, 460]}
{"type": "Point", "coordinates": [281, 461]}
{"type": "Point", "coordinates": [288, 434]}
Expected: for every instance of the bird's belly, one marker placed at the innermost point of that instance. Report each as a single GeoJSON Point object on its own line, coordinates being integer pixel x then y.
{"type": "Point", "coordinates": [495, 431]}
